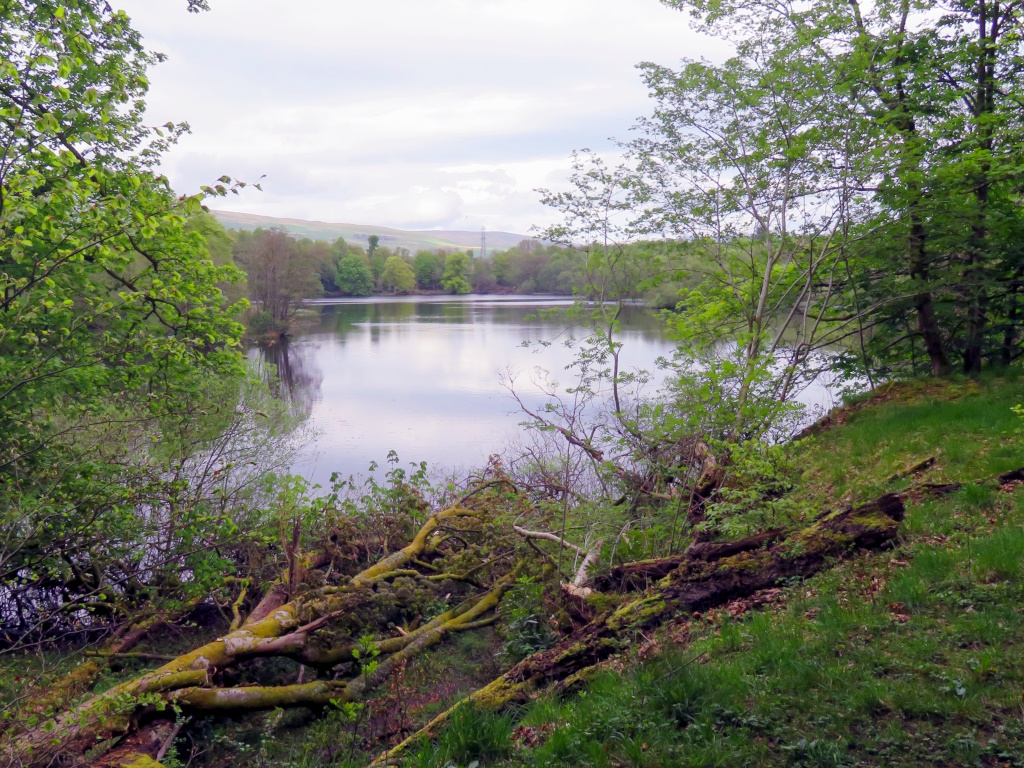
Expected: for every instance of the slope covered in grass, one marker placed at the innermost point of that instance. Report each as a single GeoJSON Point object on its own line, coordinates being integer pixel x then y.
{"type": "Point", "coordinates": [967, 426]}
{"type": "Point", "coordinates": [912, 657]}
{"type": "Point", "coordinates": [358, 234]}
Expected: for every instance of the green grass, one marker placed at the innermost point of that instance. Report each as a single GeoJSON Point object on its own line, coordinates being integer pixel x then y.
{"type": "Point", "coordinates": [473, 735]}
{"type": "Point", "coordinates": [911, 657]}
{"type": "Point", "coordinates": [967, 425]}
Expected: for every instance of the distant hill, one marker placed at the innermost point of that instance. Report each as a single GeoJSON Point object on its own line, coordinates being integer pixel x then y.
{"type": "Point", "coordinates": [357, 234]}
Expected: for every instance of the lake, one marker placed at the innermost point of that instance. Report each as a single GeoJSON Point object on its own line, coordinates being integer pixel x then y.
{"type": "Point", "coordinates": [423, 375]}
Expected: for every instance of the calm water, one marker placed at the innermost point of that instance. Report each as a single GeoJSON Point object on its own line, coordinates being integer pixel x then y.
{"type": "Point", "coordinates": [423, 376]}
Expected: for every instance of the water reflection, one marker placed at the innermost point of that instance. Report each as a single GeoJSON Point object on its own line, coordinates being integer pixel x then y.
{"type": "Point", "coordinates": [293, 371]}
{"type": "Point", "coordinates": [340, 318]}
{"type": "Point", "coordinates": [422, 375]}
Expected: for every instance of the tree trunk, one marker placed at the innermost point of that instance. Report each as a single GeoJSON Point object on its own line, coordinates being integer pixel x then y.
{"type": "Point", "coordinates": [643, 573]}
{"type": "Point", "coordinates": [927, 323]}
{"type": "Point", "coordinates": [929, 328]}
{"type": "Point", "coordinates": [284, 630]}
{"type": "Point", "coordinates": [694, 585]}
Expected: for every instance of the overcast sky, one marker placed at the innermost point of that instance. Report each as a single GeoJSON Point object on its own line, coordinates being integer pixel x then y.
{"type": "Point", "coordinates": [418, 114]}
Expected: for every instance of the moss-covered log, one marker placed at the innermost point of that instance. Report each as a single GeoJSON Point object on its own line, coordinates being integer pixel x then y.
{"type": "Point", "coordinates": [255, 698]}
{"type": "Point", "coordinates": [698, 586]}
{"type": "Point", "coordinates": [283, 629]}
{"type": "Point", "coordinates": [641, 574]}
{"type": "Point", "coordinates": [693, 585]}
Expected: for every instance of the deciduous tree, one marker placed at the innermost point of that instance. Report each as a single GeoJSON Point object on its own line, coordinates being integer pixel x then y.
{"type": "Point", "coordinates": [281, 273]}
{"type": "Point", "coordinates": [354, 277]}
{"type": "Point", "coordinates": [113, 326]}
{"type": "Point", "coordinates": [456, 268]}
{"type": "Point", "coordinates": [398, 276]}
{"type": "Point", "coordinates": [427, 268]}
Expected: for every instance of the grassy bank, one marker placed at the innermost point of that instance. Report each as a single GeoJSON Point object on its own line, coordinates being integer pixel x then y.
{"type": "Point", "coordinates": [912, 657]}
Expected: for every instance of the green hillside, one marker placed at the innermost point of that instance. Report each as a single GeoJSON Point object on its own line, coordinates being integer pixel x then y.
{"type": "Point", "coordinates": [357, 234]}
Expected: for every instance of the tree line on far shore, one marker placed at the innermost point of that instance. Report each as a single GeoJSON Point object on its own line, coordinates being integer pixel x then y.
{"type": "Point", "coordinates": [282, 270]}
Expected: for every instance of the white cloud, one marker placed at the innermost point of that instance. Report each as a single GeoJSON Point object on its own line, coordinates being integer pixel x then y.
{"type": "Point", "coordinates": [420, 209]}
{"type": "Point", "coordinates": [447, 113]}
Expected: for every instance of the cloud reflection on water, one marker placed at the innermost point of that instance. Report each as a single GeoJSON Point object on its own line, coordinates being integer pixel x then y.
{"type": "Point", "coordinates": [422, 376]}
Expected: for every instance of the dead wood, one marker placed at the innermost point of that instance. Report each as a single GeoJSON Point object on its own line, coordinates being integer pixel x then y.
{"type": "Point", "coordinates": [274, 598]}
{"type": "Point", "coordinates": [1016, 476]}
{"type": "Point", "coordinates": [914, 469]}
{"type": "Point", "coordinates": [142, 656]}
{"type": "Point", "coordinates": [638, 575]}
{"type": "Point", "coordinates": [920, 491]}
{"type": "Point", "coordinates": [275, 628]}
{"type": "Point", "coordinates": [710, 551]}
{"type": "Point", "coordinates": [319, 627]}
{"type": "Point", "coordinates": [697, 586]}
{"type": "Point", "coordinates": [547, 536]}
{"type": "Point", "coordinates": [578, 586]}
{"type": "Point", "coordinates": [694, 585]}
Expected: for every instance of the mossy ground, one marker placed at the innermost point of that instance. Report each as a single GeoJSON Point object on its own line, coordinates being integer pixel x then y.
{"type": "Point", "coordinates": [911, 657]}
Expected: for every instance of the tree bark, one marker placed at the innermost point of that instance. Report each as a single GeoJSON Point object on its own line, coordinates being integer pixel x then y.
{"type": "Point", "coordinates": [186, 680]}
{"type": "Point", "coordinates": [694, 585]}
{"type": "Point", "coordinates": [639, 575]}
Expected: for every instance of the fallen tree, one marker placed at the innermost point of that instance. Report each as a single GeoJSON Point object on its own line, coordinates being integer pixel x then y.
{"type": "Point", "coordinates": [321, 627]}
{"type": "Point", "coordinates": [701, 580]}
{"type": "Point", "coordinates": [325, 627]}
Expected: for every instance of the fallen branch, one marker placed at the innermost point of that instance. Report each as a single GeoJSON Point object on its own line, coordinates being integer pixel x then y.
{"type": "Point", "coordinates": [165, 748]}
{"type": "Point", "coordinates": [914, 469]}
{"type": "Point", "coordinates": [548, 537]}
{"type": "Point", "coordinates": [691, 586]}
{"type": "Point", "coordinates": [582, 577]}
{"type": "Point", "coordinates": [236, 606]}
{"type": "Point", "coordinates": [288, 625]}
{"type": "Point", "coordinates": [577, 588]}
{"type": "Point", "coordinates": [130, 655]}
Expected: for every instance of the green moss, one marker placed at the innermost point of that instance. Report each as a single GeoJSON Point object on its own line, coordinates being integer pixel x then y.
{"type": "Point", "coordinates": [498, 694]}
{"type": "Point", "coordinates": [636, 614]}
{"type": "Point", "coordinates": [750, 562]}
{"type": "Point", "coordinates": [578, 679]}
{"type": "Point", "coordinates": [603, 602]}
{"type": "Point", "coordinates": [909, 659]}
{"type": "Point", "coordinates": [139, 761]}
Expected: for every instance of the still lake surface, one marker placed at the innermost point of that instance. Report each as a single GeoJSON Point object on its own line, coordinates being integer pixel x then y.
{"type": "Point", "coordinates": [423, 376]}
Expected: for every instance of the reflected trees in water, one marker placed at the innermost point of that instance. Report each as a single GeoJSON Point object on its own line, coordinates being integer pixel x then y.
{"type": "Point", "coordinates": [292, 372]}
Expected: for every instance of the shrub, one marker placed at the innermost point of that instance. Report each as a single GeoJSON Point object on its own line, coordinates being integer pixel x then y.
{"type": "Point", "coordinates": [526, 628]}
